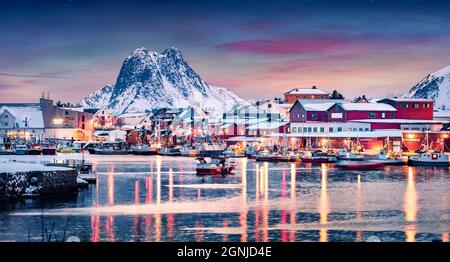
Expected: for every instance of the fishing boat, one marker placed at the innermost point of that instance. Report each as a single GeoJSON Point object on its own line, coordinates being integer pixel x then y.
{"type": "Point", "coordinates": [4, 151]}
{"type": "Point", "coordinates": [190, 151]}
{"type": "Point", "coordinates": [344, 154]}
{"type": "Point", "coordinates": [217, 166]}
{"type": "Point", "coordinates": [118, 148]}
{"type": "Point", "coordinates": [389, 157]}
{"type": "Point", "coordinates": [234, 151]}
{"type": "Point", "coordinates": [144, 149]}
{"type": "Point", "coordinates": [290, 156]}
{"type": "Point", "coordinates": [21, 150]}
{"type": "Point", "coordinates": [48, 149]}
{"type": "Point", "coordinates": [429, 157]}
{"type": "Point", "coordinates": [359, 165]}
{"type": "Point", "coordinates": [170, 151]}
{"type": "Point", "coordinates": [267, 156]}
{"type": "Point", "coordinates": [35, 149]}
{"type": "Point", "coordinates": [317, 157]}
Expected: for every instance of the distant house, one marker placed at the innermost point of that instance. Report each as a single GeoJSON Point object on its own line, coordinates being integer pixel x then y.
{"type": "Point", "coordinates": [103, 119]}
{"type": "Point", "coordinates": [21, 123]}
{"type": "Point", "coordinates": [305, 93]}
{"type": "Point", "coordinates": [66, 122]}
{"type": "Point", "coordinates": [411, 108]}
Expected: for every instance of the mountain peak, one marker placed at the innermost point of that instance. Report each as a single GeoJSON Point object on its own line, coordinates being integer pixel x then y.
{"type": "Point", "coordinates": [434, 86]}
{"type": "Point", "coordinates": [149, 80]}
{"type": "Point", "coordinates": [173, 52]}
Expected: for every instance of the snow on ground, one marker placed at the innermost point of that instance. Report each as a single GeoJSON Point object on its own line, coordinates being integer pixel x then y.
{"type": "Point", "coordinates": [8, 166]}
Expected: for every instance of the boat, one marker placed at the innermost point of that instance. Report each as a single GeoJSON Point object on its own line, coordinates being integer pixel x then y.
{"type": "Point", "coordinates": [289, 156]}
{"type": "Point", "coordinates": [317, 157]}
{"type": "Point", "coordinates": [68, 150]}
{"type": "Point", "coordinates": [344, 154]}
{"type": "Point", "coordinates": [190, 151]}
{"type": "Point", "coordinates": [211, 150]}
{"type": "Point", "coordinates": [389, 157]}
{"type": "Point", "coordinates": [359, 165]}
{"type": "Point", "coordinates": [48, 149]}
{"type": "Point", "coordinates": [234, 151]}
{"type": "Point", "coordinates": [111, 149]}
{"type": "Point", "coordinates": [4, 151]}
{"type": "Point", "coordinates": [144, 149]}
{"type": "Point", "coordinates": [217, 166]}
{"type": "Point", "coordinates": [265, 156]}
{"type": "Point", "coordinates": [429, 157]}
{"type": "Point", "coordinates": [35, 149]}
{"type": "Point", "coordinates": [21, 150]}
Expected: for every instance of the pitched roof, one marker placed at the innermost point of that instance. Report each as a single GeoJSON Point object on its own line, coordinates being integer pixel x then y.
{"type": "Point", "coordinates": [30, 115]}
{"type": "Point", "coordinates": [306, 91]}
{"type": "Point", "coordinates": [367, 107]}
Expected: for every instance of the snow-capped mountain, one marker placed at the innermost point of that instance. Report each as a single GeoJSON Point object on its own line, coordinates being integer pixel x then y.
{"type": "Point", "coordinates": [150, 80]}
{"type": "Point", "coordinates": [434, 86]}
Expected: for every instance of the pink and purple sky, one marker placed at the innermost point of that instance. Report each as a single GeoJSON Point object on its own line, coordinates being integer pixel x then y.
{"type": "Point", "coordinates": [258, 49]}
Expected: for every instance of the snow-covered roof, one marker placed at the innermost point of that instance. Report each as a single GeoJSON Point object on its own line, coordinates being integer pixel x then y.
{"type": "Point", "coordinates": [266, 126]}
{"type": "Point", "coordinates": [408, 99]}
{"type": "Point", "coordinates": [401, 121]}
{"type": "Point", "coordinates": [318, 107]}
{"type": "Point", "coordinates": [441, 114]}
{"type": "Point", "coordinates": [244, 139]}
{"type": "Point", "coordinates": [367, 107]}
{"type": "Point", "coordinates": [78, 109]}
{"type": "Point", "coordinates": [346, 134]}
{"type": "Point", "coordinates": [130, 115]}
{"type": "Point", "coordinates": [307, 91]}
{"type": "Point", "coordinates": [30, 115]}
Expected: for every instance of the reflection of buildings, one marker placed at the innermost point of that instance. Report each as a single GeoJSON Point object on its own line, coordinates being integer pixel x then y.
{"type": "Point", "coordinates": [324, 208]}
{"type": "Point", "coordinates": [410, 206]}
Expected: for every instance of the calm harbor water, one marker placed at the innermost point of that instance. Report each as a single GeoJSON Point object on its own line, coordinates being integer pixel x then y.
{"type": "Point", "coordinates": [154, 198]}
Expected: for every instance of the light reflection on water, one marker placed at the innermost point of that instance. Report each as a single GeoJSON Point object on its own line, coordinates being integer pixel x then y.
{"type": "Point", "coordinates": [166, 201]}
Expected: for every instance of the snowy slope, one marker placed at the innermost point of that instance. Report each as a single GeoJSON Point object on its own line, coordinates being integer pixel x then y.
{"type": "Point", "coordinates": [150, 80]}
{"type": "Point", "coordinates": [434, 86]}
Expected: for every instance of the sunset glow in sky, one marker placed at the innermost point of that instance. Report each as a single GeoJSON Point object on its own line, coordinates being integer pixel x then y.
{"type": "Point", "coordinates": [258, 49]}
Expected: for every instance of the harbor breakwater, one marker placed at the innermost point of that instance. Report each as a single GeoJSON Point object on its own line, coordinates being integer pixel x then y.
{"type": "Point", "coordinates": [19, 180]}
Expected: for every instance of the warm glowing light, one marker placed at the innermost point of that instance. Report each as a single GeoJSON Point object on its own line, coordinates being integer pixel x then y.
{"type": "Point", "coordinates": [324, 207]}
{"type": "Point", "coordinates": [445, 136]}
{"type": "Point", "coordinates": [158, 180]}
{"type": "Point", "coordinates": [58, 121]}
{"type": "Point", "coordinates": [410, 200]}
{"type": "Point", "coordinates": [410, 136]}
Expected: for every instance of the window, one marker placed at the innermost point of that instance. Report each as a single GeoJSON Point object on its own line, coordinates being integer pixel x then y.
{"type": "Point", "coordinates": [366, 129]}
{"type": "Point", "coordinates": [355, 129]}
{"type": "Point", "coordinates": [392, 115]}
{"type": "Point", "coordinates": [330, 129]}
{"type": "Point", "coordinates": [372, 115]}
{"type": "Point", "coordinates": [6, 116]}
{"type": "Point", "coordinates": [383, 115]}
{"type": "Point", "coordinates": [339, 129]}
{"type": "Point", "coordinates": [66, 112]}
{"type": "Point", "coordinates": [309, 129]}
{"type": "Point", "coordinates": [336, 115]}
{"type": "Point", "coordinates": [269, 105]}
{"type": "Point", "coordinates": [322, 129]}
{"type": "Point", "coordinates": [426, 105]}
{"type": "Point", "coordinates": [416, 106]}
{"type": "Point", "coordinates": [360, 129]}
{"type": "Point", "coordinates": [103, 112]}
{"type": "Point", "coordinates": [294, 129]}
{"type": "Point", "coordinates": [314, 116]}
{"type": "Point", "coordinates": [404, 105]}
{"type": "Point", "coordinates": [83, 119]}
{"type": "Point", "coordinates": [315, 129]}
{"type": "Point", "coordinates": [305, 129]}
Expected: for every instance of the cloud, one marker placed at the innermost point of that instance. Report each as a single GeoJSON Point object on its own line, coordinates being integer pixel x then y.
{"type": "Point", "coordinates": [34, 76]}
